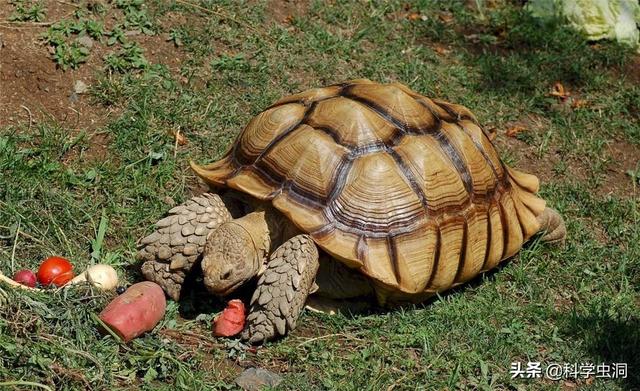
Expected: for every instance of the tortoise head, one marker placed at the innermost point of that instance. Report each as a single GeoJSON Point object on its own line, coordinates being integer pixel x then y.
{"type": "Point", "coordinates": [234, 253]}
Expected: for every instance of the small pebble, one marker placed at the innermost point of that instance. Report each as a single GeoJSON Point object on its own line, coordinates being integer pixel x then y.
{"type": "Point", "coordinates": [85, 41]}
{"type": "Point", "coordinates": [254, 379]}
{"type": "Point", "coordinates": [169, 201]}
{"type": "Point", "coordinates": [80, 87]}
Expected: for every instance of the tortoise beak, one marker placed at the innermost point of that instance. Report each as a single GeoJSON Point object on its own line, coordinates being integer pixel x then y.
{"type": "Point", "coordinates": [222, 291]}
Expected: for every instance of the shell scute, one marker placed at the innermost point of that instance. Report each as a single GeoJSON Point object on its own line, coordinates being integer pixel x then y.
{"type": "Point", "coordinates": [483, 180]}
{"type": "Point", "coordinates": [395, 105]}
{"type": "Point", "coordinates": [307, 168]}
{"type": "Point", "coordinates": [437, 177]}
{"type": "Point", "coordinates": [376, 198]}
{"type": "Point", "coordinates": [351, 123]}
{"type": "Point", "coordinates": [267, 126]}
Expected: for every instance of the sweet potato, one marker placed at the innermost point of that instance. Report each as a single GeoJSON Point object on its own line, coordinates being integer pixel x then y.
{"type": "Point", "coordinates": [136, 311]}
{"type": "Point", "coordinates": [231, 321]}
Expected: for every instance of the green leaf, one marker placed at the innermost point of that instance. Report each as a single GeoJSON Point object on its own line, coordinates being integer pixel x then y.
{"type": "Point", "coordinates": [150, 375]}
{"type": "Point", "coordinates": [96, 245]}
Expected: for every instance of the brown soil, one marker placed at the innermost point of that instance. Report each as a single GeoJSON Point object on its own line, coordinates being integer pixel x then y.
{"type": "Point", "coordinates": [30, 80]}
{"type": "Point", "coordinates": [284, 11]}
{"type": "Point", "coordinates": [624, 157]}
{"type": "Point", "coordinates": [528, 158]}
{"type": "Point", "coordinates": [33, 89]}
{"type": "Point", "coordinates": [632, 70]}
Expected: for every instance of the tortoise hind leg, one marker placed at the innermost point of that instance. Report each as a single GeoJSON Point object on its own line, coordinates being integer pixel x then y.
{"type": "Point", "coordinates": [555, 232]}
{"type": "Point", "coordinates": [340, 289]}
{"type": "Point", "coordinates": [170, 252]}
{"type": "Point", "coordinates": [282, 290]}
{"type": "Point", "coordinates": [337, 281]}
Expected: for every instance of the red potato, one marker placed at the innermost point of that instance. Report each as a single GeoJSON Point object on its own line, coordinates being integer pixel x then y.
{"type": "Point", "coordinates": [14, 284]}
{"type": "Point", "coordinates": [231, 321]}
{"type": "Point", "coordinates": [136, 311]}
{"type": "Point", "coordinates": [25, 277]}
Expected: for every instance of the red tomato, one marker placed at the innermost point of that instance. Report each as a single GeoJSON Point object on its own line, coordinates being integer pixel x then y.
{"type": "Point", "coordinates": [55, 270]}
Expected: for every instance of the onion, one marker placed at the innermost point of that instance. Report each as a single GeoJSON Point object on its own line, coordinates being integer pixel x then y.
{"type": "Point", "coordinates": [101, 276]}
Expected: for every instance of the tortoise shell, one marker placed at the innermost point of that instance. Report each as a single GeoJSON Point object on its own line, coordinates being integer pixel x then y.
{"type": "Point", "coordinates": [407, 189]}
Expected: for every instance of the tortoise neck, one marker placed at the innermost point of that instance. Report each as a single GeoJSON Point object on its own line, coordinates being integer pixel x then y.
{"type": "Point", "coordinates": [280, 229]}
{"type": "Point", "coordinates": [256, 224]}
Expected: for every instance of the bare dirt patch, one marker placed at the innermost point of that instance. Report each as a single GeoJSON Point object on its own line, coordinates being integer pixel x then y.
{"type": "Point", "coordinates": [530, 162]}
{"type": "Point", "coordinates": [632, 70]}
{"type": "Point", "coordinates": [284, 11]}
{"type": "Point", "coordinates": [33, 88]}
{"type": "Point", "coordinates": [528, 156]}
{"type": "Point", "coordinates": [624, 157]}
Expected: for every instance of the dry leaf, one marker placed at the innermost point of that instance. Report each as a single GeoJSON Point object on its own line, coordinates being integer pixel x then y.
{"type": "Point", "coordinates": [559, 91]}
{"type": "Point", "coordinates": [414, 16]}
{"type": "Point", "coordinates": [441, 50]}
{"type": "Point", "coordinates": [492, 133]}
{"type": "Point", "coordinates": [446, 17]}
{"type": "Point", "coordinates": [515, 129]}
{"type": "Point", "coordinates": [578, 103]}
{"type": "Point", "coordinates": [180, 138]}
{"type": "Point", "coordinates": [288, 19]}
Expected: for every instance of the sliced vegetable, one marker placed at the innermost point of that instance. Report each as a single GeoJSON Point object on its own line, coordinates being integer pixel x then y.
{"type": "Point", "coordinates": [25, 277]}
{"type": "Point", "coordinates": [231, 321]}
{"type": "Point", "coordinates": [136, 311]}
{"type": "Point", "coordinates": [101, 276]}
{"type": "Point", "coordinates": [55, 271]}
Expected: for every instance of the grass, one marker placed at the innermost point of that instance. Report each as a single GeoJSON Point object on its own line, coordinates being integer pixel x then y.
{"type": "Point", "coordinates": [61, 194]}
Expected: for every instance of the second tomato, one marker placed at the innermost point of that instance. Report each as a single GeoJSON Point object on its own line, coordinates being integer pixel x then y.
{"type": "Point", "coordinates": [55, 270]}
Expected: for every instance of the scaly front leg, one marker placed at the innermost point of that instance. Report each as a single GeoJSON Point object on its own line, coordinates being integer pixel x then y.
{"type": "Point", "coordinates": [282, 290]}
{"type": "Point", "coordinates": [170, 252]}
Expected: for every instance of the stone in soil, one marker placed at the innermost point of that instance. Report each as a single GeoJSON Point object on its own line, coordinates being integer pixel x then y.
{"type": "Point", "coordinates": [254, 379]}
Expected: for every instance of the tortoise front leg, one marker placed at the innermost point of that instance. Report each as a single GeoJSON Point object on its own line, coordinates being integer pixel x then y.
{"type": "Point", "coordinates": [282, 290]}
{"type": "Point", "coordinates": [170, 252]}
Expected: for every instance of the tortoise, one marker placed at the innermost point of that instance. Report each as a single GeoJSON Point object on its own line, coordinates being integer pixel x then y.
{"type": "Point", "coordinates": [358, 189]}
